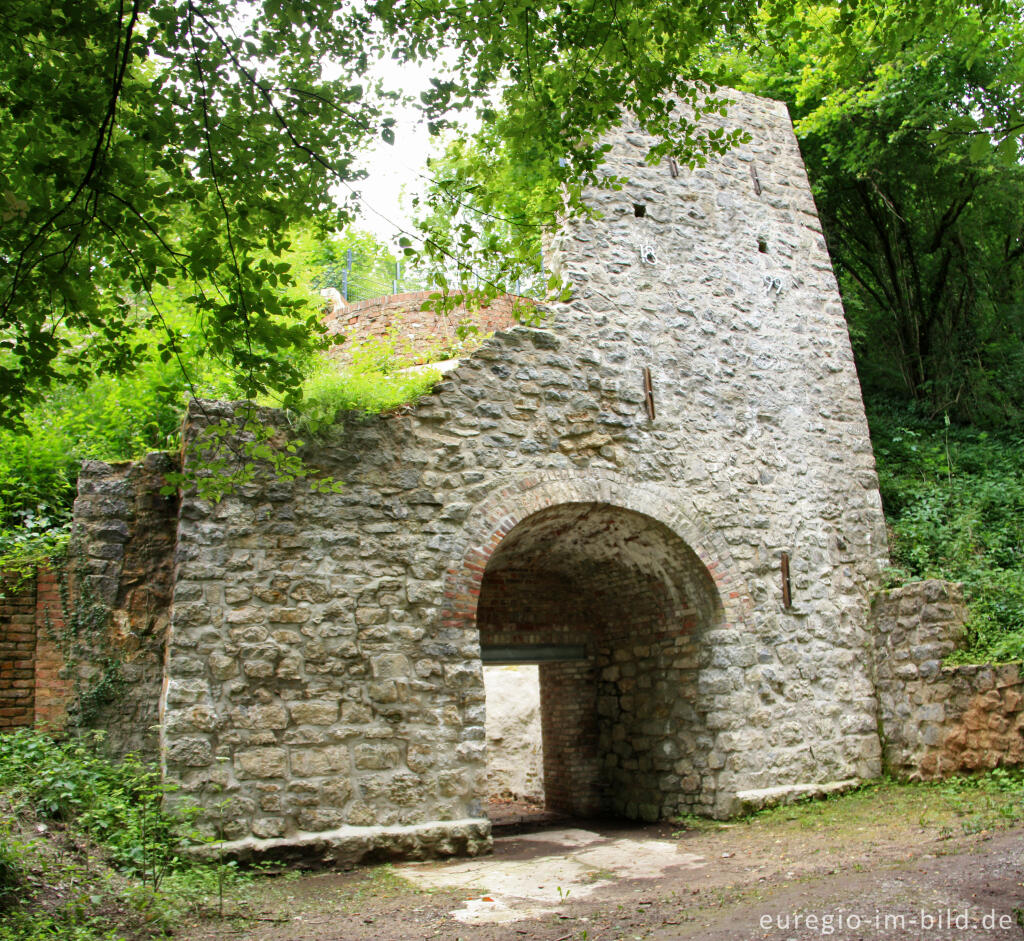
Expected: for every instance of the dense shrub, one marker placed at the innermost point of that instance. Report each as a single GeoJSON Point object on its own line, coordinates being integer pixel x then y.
{"type": "Point", "coordinates": [111, 419]}
{"type": "Point", "coordinates": [87, 850]}
{"type": "Point", "coordinates": [118, 804]}
{"type": "Point", "coordinates": [954, 502]}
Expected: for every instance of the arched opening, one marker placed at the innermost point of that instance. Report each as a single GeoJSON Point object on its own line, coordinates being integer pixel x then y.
{"type": "Point", "coordinates": [611, 604]}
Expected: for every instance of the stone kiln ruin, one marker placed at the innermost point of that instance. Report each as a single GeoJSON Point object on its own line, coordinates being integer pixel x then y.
{"type": "Point", "coordinates": [665, 496]}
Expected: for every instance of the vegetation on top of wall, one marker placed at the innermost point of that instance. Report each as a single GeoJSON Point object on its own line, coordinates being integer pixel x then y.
{"type": "Point", "coordinates": [954, 503]}
{"type": "Point", "coordinates": [119, 418]}
{"type": "Point", "coordinates": [377, 379]}
{"type": "Point", "coordinates": [235, 450]}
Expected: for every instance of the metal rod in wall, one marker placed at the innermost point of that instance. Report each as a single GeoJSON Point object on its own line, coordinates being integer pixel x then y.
{"type": "Point", "coordinates": [787, 588]}
{"type": "Point", "coordinates": [649, 393]}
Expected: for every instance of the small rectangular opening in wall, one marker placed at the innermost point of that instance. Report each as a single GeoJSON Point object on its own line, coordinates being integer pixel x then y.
{"type": "Point", "coordinates": [639, 210]}
{"type": "Point", "coordinates": [673, 167]}
{"type": "Point", "coordinates": [787, 589]}
{"type": "Point", "coordinates": [756, 181]}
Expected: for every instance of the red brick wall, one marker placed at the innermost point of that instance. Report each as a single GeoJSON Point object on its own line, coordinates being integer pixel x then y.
{"type": "Point", "coordinates": [17, 652]}
{"type": "Point", "coordinates": [53, 691]}
{"type": "Point", "coordinates": [32, 690]}
{"type": "Point", "coordinates": [569, 726]}
{"type": "Point", "coordinates": [417, 331]}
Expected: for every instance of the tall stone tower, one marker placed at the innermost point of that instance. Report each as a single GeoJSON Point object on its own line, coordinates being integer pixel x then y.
{"type": "Point", "coordinates": [710, 294]}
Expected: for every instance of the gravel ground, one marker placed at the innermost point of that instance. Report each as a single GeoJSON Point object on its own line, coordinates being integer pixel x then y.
{"type": "Point", "coordinates": [888, 863]}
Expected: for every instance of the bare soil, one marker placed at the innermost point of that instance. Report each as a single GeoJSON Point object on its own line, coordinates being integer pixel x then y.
{"type": "Point", "coordinates": [919, 862]}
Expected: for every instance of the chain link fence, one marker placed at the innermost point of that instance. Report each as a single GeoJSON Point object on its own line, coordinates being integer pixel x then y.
{"type": "Point", "coordinates": [360, 276]}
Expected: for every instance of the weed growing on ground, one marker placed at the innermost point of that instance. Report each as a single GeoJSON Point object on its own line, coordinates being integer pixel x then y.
{"type": "Point", "coordinates": [991, 800]}
{"type": "Point", "coordinates": [88, 850]}
{"type": "Point", "coordinates": [988, 801]}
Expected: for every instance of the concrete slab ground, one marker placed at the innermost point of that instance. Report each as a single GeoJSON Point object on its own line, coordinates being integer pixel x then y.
{"type": "Point", "coordinates": [531, 875]}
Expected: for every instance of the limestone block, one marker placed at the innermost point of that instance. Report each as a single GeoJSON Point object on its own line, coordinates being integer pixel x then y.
{"type": "Point", "coordinates": [376, 756]}
{"type": "Point", "coordinates": [391, 666]}
{"type": "Point", "coordinates": [191, 752]}
{"type": "Point", "coordinates": [308, 762]}
{"type": "Point", "coordinates": [313, 712]}
{"type": "Point", "coordinates": [270, 716]}
{"type": "Point", "coordinates": [268, 827]}
{"type": "Point", "coordinates": [262, 762]}
{"type": "Point", "coordinates": [222, 667]}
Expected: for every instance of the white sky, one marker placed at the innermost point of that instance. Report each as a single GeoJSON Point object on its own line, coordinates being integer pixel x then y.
{"type": "Point", "coordinates": [402, 165]}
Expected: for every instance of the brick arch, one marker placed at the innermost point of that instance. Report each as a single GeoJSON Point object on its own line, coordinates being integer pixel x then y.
{"type": "Point", "coordinates": [499, 513]}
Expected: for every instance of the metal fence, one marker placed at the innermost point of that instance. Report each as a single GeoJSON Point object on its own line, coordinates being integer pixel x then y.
{"type": "Point", "coordinates": [359, 276]}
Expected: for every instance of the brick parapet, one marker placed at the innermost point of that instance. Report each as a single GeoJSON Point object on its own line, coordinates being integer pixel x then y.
{"type": "Point", "coordinates": [419, 334]}
{"type": "Point", "coordinates": [33, 688]}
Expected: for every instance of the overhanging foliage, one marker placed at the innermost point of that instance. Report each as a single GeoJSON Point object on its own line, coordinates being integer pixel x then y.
{"type": "Point", "coordinates": [154, 141]}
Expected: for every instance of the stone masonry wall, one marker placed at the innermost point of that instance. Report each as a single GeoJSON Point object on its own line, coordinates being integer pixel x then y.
{"type": "Point", "coordinates": [722, 287]}
{"type": "Point", "coordinates": [120, 565]}
{"type": "Point", "coordinates": [323, 664]}
{"type": "Point", "coordinates": [940, 720]}
{"type": "Point", "coordinates": [569, 725]}
{"type": "Point", "coordinates": [416, 331]}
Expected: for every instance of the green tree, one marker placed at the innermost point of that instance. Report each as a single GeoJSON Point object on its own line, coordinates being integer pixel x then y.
{"type": "Point", "coordinates": [914, 155]}
{"type": "Point", "coordinates": [147, 142]}
{"type": "Point", "coordinates": [150, 142]}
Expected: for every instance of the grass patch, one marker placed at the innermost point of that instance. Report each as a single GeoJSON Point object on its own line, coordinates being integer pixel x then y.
{"type": "Point", "coordinates": [366, 387]}
{"type": "Point", "coordinates": [989, 801]}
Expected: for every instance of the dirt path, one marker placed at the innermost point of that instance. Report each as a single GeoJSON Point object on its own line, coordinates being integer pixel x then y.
{"type": "Point", "coordinates": [913, 863]}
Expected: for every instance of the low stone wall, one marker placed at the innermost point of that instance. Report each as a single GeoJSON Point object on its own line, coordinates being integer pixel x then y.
{"type": "Point", "coordinates": [938, 720]}
{"type": "Point", "coordinates": [417, 332]}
